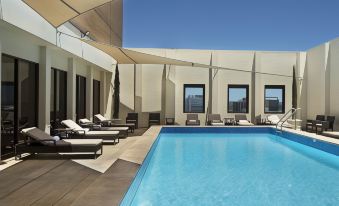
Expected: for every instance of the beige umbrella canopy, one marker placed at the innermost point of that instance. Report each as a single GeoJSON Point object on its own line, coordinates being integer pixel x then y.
{"type": "Point", "coordinates": [57, 12]}
{"type": "Point", "coordinates": [127, 56]}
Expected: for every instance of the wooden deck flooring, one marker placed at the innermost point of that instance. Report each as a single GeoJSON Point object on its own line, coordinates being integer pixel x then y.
{"type": "Point", "coordinates": [64, 182]}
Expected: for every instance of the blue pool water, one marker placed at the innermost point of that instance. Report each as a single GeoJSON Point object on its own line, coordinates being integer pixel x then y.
{"type": "Point", "coordinates": [234, 168]}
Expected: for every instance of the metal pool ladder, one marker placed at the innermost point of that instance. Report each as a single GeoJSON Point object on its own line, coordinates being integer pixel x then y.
{"type": "Point", "coordinates": [286, 116]}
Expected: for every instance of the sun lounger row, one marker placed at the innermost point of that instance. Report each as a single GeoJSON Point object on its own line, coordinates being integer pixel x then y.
{"type": "Point", "coordinates": [85, 137]}
{"type": "Point", "coordinates": [215, 120]}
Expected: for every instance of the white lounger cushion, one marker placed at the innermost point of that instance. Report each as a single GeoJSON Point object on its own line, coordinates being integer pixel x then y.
{"type": "Point", "coordinates": [83, 121]}
{"type": "Point", "coordinates": [100, 117]}
{"type": "Point", "coordinates": [83, 141]}
{"type": "Point", "coordinates": [217, 123]}
{"type": "Point", "coordinates": [274, 119]}
{"type": "Point", "coordinates": [101, 133]}
{"type": "Point", "coordinates": [71, 124]}
{"type": "Point", "coordinates": [244, 123]}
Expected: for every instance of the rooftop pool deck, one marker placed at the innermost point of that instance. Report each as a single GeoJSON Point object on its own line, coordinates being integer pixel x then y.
{"type": "Point", "coordinates": [204, 165]}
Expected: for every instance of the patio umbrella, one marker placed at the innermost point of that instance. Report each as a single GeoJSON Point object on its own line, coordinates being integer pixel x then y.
{"type": "Point", "coordinates": [294, 91]}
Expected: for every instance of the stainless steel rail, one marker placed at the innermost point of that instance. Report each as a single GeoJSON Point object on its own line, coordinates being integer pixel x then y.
{"type": "Point", "coordinates": [289, 114]}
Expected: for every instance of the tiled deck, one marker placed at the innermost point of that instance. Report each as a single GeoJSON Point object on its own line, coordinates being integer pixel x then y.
{"type": "Point", "coordinates": [42, 181]}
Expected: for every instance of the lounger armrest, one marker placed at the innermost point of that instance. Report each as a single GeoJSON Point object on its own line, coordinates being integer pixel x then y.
{"type": "Point", "coordinates": [79, 131]}
{"type": "Point", "coordinates": [40, 141]}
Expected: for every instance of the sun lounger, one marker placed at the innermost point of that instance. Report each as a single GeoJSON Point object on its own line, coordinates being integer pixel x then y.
{"type": "Point", "coordinates": [85, 133]}
{"type": "Point", "coordinates": [98, 118]}
{"type": "Point", "coordinates": [214, 120]}
{"type": "Point", "coordinates": [192, 120]}
{"type": "Point", "coordinates": [86, 123]}
{"type": "Point", "coordinates": [241, 120]}
{"type": "Point", "coordinates": [331, 134]}
{"type": "Point", "coordinates": [37, 141]}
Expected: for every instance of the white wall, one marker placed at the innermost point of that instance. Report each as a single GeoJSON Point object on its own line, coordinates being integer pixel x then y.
{"type": "Point", "coordinates": [333, 80]}
{"type": "Point", "coordinates": [316, 67]}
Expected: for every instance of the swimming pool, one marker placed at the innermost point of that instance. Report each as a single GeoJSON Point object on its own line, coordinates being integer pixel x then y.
{"type": "Point", "coordinates": [236, 166]}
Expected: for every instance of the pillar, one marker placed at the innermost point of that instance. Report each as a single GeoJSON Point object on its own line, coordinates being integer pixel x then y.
{"type": "Point", "coordinates": [71, 87]}
{"type": "Point", "coordinates": [103, 93]}
{"type": "Point", "coordinates": [44, 89]}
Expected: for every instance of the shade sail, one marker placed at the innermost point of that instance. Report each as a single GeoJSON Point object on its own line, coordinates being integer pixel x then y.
{"type": "Point", "coordinates": [57, 12]}
{"type": "Point", "coordinates": [127, 56]}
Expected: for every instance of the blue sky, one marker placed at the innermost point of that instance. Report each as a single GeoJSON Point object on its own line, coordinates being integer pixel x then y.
{"type": "Point", "coordinates": [224, 24]}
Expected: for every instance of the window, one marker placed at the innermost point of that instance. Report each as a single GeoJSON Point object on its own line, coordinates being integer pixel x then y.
{"type": "Point", "coordinates": [194, 98]}
{"type": "Point", "coordinates": [80, 97]}
{"type": "Point", "coordinates": [58, 98]}
{"type": "Point", "coordinates": [237, 99]}
{"type": "Point", "coordinates": [19, 102]}
{"type": "Point", "coordinates": [274, 99]}
{"type": "Point", "coordinates": [96, 97]}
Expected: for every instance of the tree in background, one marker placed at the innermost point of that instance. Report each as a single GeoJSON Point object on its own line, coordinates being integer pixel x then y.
{"type": "Point", "coordinates": [294, 92]}
{"type": "Point", "coordinates": [116, 94]}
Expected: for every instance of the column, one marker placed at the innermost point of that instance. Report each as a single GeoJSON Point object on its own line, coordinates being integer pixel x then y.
{"type": "Point", "coordinates": [71, 86]}
{"type": "Point", "coordinates": [44, 89]}
{"type": "Point", "coordinates": [89, 93]}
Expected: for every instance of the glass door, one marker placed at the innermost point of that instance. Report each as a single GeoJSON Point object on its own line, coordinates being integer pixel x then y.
{"type": "Point", "coordinates": [58, 98]}
{"type": "Point", "coordinates": [7, 104]}
{"type": "Point", "coordinates": [80, 97]}
{"type": "Point", "coordinates": [18, 100]}
{"type": "Point", "coordinates": [96, 97]}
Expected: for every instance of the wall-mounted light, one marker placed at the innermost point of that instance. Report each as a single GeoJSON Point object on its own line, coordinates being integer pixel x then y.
{"type": "Point", "coordinates": [83, 35]}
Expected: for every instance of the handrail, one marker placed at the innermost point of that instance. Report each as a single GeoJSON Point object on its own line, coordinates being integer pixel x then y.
{"type": "Point", "coordinates": [292, 109]}
{"type": "Point", "coordinates": [295, 120]}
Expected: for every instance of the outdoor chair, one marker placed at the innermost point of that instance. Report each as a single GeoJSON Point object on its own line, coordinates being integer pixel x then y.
{"type": "Point", "coordinates": [85, 133]}
{"type": "Point", "coordinates": [311, 125]}
{"type": "Point", "coordinates": [99, 119]}
{"type": "Point", "coordinates": [37, 141]}
{"type": "Point", "coordinates": [241, 120]}
{"type": "Point", "coordinates": [153, 119]}
{"type": "Point", "coordinates": [214, 120]}
{"type": "Point", "coordinates": [86, 123]}
{"type": "Point", "coordinates": [192, 120]}
{"type": "Point", "coordinates": [132, 118]}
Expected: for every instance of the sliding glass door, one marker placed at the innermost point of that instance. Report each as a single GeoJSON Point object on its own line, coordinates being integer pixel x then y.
{"type": "Point", "coordinates": [18, 100]}
{"type": "Point", "coordinates": [80, 97]}
{"type": "Point", "coordinates": [58, 98]}
{"type": "Point", "coordinates": [96, 97]}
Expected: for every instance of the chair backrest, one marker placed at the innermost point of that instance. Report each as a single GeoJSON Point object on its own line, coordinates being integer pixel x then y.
{"type": "Point", "coordinates": [240, 117]}
{"type": "Point", "coordinates": [273, 118]}
{"type": "Point", "coordinates": [154, 116]}
{"type": "Point", "coordinates": [320, 117]}
{"type": "Point", "coordinates": [38, 135]}
{"type": "Point", "coordinates": [330, 118]}
{"type": "Point", "coordinates": [71, 124]}
{"type": "Point", "coordinates": [100, 117]}
{"type": "Point", "coordinates": [84, 121]}
{"type": "Point", "coordinates": [212, 117]}
{"type": "Point", "coordinates": [132, 115]}
{"type": "Point", "coordinates": [192, 117]}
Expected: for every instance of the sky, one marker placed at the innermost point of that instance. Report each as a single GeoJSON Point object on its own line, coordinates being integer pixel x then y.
{"type": "Point", "coordinates": [283, 25]}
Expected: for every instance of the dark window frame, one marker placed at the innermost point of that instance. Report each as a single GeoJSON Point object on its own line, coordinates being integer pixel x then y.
{"type": "Point", "coordinates": [16, 94]}
{"type": "Point", "coordinates": [55, 71]}
{"type": "Point", "coordinates": [238, 86]}
{"type": "Point", "coordinates": [99, 102]}
{"type": "Point", "coordinates": [203, 92]}
{"type": "Point", "coordinates": [283, 97]}
{"type": "Point", "coordinates": [78, 80]}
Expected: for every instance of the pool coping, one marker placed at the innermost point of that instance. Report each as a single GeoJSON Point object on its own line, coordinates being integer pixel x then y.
{"type": "Point", "coordinates": [139, 150]}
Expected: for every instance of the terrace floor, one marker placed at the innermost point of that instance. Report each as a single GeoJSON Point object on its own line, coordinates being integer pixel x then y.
{"type": "Point", "coordinates": [54, 180]}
